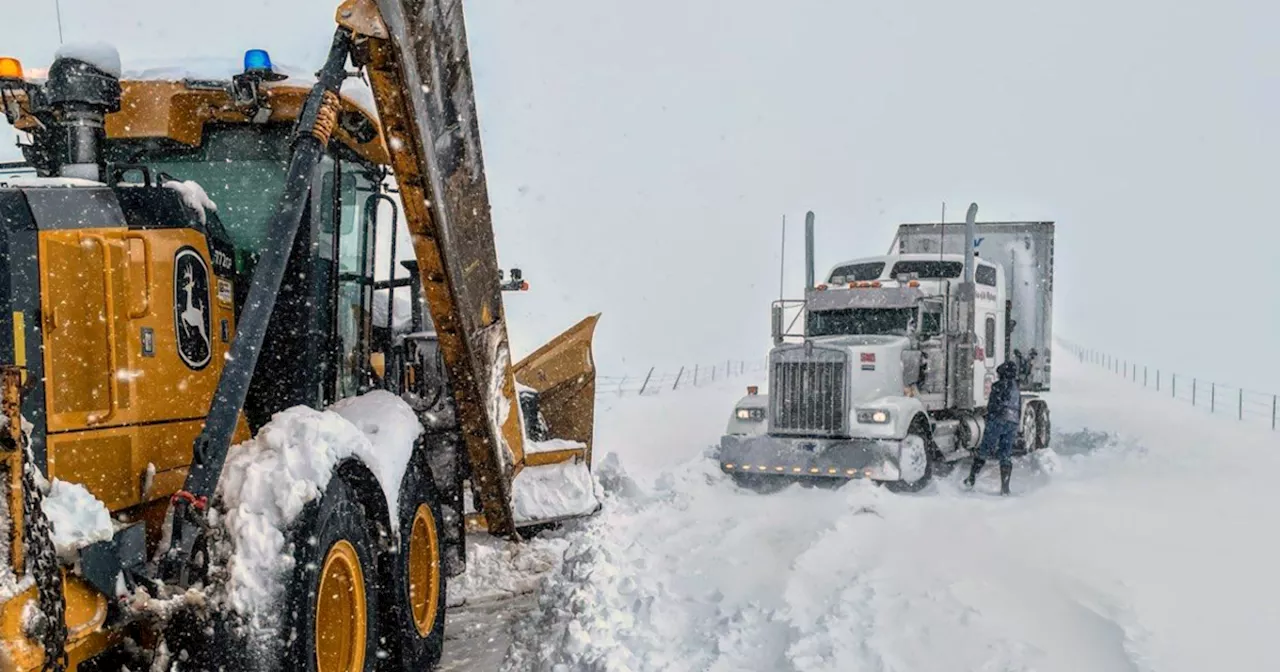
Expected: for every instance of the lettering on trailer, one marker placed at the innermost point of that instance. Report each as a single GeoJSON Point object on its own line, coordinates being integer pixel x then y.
{"type": "Point", "coordinates": [191, 318]}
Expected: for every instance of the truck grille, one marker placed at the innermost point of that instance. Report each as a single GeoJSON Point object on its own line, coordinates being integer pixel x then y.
{"type": "Point", "coordinates": [808, 397]}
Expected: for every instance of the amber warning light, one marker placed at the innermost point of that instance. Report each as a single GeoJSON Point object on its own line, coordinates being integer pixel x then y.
{"type": "Point", "coordinates": [10, 69]}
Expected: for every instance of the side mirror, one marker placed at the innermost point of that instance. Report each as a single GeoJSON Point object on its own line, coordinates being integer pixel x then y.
{"type": "Point", "coordinates": [776, 324]}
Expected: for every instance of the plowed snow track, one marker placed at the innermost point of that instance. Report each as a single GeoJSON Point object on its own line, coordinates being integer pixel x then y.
{"type": "Point", "coordinates": [1147, 549]}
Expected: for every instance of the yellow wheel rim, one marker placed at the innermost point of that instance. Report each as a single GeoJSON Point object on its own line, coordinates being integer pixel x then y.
{"type": "Point", "coordinates": [424, 570]}
{"type": "Point", "coordinates": [341, 611]}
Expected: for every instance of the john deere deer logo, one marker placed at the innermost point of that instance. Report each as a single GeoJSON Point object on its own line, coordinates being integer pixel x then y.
{"type": "Point", "coordinates": [191, 319]}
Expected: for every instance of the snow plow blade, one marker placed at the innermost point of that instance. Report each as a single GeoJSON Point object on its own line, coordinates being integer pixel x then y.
{"type": "Point", "coordinates": [420, 72]}
{"type": "Point", "coordinates": [563, 374]}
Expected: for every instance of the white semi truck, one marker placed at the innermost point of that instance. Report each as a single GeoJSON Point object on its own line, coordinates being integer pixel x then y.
{"type": "Point", "coordinates": [889, 378]}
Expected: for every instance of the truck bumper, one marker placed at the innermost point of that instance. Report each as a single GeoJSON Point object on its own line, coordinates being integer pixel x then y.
{"type": "Point", "coordinates": [876, 459]}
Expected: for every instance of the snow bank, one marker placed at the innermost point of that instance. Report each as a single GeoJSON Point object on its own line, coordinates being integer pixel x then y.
{"type": "Point", "coordinates": [548, 492]}
{"type": "Point", "coordinates": [1134, 545]}
{"type": "Point", "coordinates": [100, 55]}
{"type": "Point", "coordinates": [498, 568]}
{"type": "Point", "coordinates": [268, 480]}
{"type": "Point", "coordinates": [77, 517]}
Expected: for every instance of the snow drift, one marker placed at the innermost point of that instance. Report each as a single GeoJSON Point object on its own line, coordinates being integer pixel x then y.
{"type": "Point", "coordinates": [1138, 544]}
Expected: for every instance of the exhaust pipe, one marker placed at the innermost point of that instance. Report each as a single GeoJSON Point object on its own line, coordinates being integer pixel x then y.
{"type": "Point", "coordinates": [808, 251]}
{"type": "Point", "coordinates": [81, 94]}
{"type": "Point", "coordinates": [969, 227]}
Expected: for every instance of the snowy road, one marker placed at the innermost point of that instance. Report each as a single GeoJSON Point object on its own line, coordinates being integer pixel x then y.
{"type": "Point", "coordinates": [1149, 548]}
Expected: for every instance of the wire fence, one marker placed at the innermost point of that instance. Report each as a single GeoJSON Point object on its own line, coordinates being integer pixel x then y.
{"type": "Point", "coordinates": [1217, 398]}
{"type": "Point", "coordinates": [654, 381]}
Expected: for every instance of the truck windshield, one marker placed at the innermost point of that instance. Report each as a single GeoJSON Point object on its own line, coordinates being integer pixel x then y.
{"type": "Point", "coordinates": [857, 272]}
{"type": "Point", "coordinates": [882, 321]}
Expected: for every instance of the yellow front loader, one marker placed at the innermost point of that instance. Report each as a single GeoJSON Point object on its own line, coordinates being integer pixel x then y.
{"type": "Point", "coordinates": [183, 257]}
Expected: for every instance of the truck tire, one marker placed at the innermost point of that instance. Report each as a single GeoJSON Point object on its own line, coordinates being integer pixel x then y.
{"type": "Point", "coordinates": [418, 580]}
{"type": "Point", "coordinates": [920, 442]}
{"type": "Point", "coordinates": [1043, 433]}
{"type": "Point", "coordinates": [331, 614]}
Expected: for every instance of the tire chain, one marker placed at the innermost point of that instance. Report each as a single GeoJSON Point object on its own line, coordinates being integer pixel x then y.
{"type": "Point", "coordinates": [43, 565]}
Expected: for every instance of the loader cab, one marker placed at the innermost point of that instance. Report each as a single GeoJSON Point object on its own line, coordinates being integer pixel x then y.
{"type": "Point", "coordinates": [318, 344]}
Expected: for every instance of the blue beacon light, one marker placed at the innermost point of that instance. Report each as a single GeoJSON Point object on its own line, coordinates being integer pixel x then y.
{"type": "Point", "coordinates": [257, 60]}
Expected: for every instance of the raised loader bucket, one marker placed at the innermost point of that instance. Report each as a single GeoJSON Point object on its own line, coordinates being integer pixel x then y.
{"type": "Point", "coordinates": [553, 482]}
{"type": "Point", "coordinates": [563, 374]}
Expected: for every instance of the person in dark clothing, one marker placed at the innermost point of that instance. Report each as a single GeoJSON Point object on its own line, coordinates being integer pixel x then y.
{"type": "Point", "coordinates": [1004, 413]}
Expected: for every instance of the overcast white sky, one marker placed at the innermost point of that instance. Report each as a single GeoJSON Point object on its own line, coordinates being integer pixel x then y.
{"type": "Point", "coordinates": [641, 154]}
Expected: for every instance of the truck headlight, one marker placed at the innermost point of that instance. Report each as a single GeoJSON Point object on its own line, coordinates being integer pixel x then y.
{"type": "Point", "coordinates": [873, 416]}
{"type": "Point", "coordinates": [750, 414]}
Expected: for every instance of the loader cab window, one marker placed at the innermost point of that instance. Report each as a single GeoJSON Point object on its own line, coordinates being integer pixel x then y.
{"type": "Point", "coordinates": [853, 321]}
{"type": "Point", "coordinates": [242, 169]}
{"type": "Point", "coordinates": [857, 273]}
{"type": "Point", "coordinates": [345, 192]}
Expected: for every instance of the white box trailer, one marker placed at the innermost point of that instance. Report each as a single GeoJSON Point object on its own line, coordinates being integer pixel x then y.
{"type": "Point", "coordinates": [1025, 251]}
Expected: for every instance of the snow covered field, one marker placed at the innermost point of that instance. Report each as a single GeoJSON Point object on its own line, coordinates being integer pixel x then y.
{"type": "Point", "coordinates": [1149, 547]}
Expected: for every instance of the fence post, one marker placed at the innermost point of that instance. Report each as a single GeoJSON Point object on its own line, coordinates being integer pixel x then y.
{"type": "Point", "coordinates": [1273, 412]}
{"type": "Point", "coordinates": [728, 370]}
{"type": "Point", "coordinates": [1240, 411]}
{"type": "Point", "coordinates": [621, 383]}
{"type": "Point", "coordinates": [1213, 397]}
{"type": "Point", "coordinates": [1193, 391]}
{"type": "Point", "coordinates": [676, 386]}
{"type": "Point", "coordinates": [695, 375]}
{"type": "Point", "coordinates": [646, 382]}
{"type": "Point", "coordinates": [713, 373]}
{"type": "Point", "coordinates": [1174, 386]}
{"type": "Point", "coordinates": [1157, 380]}
{"type": "Point", "coordinates": [1144, 376]}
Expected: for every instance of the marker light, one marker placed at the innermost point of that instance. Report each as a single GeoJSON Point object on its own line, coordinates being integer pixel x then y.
{"type": "Point", "coordinates": [257, 60]}
{"type": "Point", "coordinates": [10, 68]}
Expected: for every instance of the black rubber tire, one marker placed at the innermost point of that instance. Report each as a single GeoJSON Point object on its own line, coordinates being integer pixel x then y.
{"type": "Point", "coordinates": [336, 517]}
{"type": "Point", "coordinates": [1043, 428]}
{"type": "Point", "coordinates": [916, 486]}
{"type": "Point", "coordinates": [415, 650]}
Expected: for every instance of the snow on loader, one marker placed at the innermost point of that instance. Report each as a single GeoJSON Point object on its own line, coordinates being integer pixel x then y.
{"type": "Point", "coordinates": [189, 261]}
{"type": "Point", "coordinates": [890, 376]}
